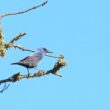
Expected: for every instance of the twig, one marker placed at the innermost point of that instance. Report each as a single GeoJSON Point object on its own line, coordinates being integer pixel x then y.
{"type": "Point", "coordinates": [52, 56]}
{"type": "Point", "coordinates": [4, 88]}
{"type": "Point", "coordinates": [58, 65]}
{"type": "Point", "coordinates": [21, 12]}
{"type": "Point", "coordinates": [17, 37]}
{"type": "Point", "coordinates": [22, 48]}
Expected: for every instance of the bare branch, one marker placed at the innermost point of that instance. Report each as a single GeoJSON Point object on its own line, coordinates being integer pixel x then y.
{"type": "Point", "coordinates": [57, 66]}
{"type": "Point", "coordinates": [21, 12]}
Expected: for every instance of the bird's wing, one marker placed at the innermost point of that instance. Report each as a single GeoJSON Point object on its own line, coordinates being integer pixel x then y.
{"type": "Point", "coordinates": [31, 58]}
{"type": "Point", "coordinates": [24, 58]}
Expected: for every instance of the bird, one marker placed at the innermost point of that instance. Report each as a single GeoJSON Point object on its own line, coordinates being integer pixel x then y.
{"type": "Point", "coordinates": [33, 60]}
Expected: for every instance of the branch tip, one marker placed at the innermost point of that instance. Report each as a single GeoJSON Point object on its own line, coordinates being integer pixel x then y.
{"type": "Point", "coordinates": [21, 12]}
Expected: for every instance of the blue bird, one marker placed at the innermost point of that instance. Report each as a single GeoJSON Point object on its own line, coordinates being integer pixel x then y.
{"type": "Point", "coordinates": [33, 60]}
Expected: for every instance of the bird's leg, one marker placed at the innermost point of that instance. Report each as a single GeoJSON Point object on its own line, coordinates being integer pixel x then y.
{"type": "Point", "coordinates": [28, 72]}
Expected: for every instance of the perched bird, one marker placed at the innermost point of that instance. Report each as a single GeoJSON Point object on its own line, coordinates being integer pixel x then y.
{"type": "Point", "coordinates": [33, 60]}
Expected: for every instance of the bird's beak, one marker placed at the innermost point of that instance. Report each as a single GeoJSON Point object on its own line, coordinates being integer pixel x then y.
{"type": "Point", "coordinates": [49, 51]}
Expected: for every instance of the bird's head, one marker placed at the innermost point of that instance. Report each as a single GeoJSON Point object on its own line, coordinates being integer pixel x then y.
{"type": "Point", "coordinates": [44, 51]}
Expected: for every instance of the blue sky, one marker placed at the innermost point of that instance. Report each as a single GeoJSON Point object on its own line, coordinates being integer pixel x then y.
{"type": "Point", "coordinates": [78, 29]}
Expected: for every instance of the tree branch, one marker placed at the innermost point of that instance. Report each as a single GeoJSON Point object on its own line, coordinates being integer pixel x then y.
{"type": "Point", "coordinates": [5, 46]}
{"type": "Point", "coordinates": [22, 48]}
{"type": "Point", "coordinates": [51, 56]}
{"type": "Point", "coordinates": [12, 45]}
{"type": "Point", "coordinates": [21, 12]}
{"type": "Point", "coordinates": [57, 66]}
{"type": "Point", "coordinates": [17, 37]}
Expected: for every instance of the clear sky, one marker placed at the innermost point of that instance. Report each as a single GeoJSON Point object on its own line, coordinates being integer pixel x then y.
{"type": "Point", "coordinates": [79, 29]}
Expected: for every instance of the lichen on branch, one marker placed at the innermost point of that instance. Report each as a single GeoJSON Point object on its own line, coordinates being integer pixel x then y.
{"type": "Point", "coordinates": [4, 46]}
{"type": "Point", "coordinates": [18, 76]}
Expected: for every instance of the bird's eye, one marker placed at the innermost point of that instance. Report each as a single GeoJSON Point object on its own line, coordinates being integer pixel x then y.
{"type": "Point", "coordinates": [44, 49]}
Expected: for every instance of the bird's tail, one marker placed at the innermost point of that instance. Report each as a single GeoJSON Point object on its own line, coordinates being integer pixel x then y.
{"type": "Point", "coordinates": [14, 63]}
